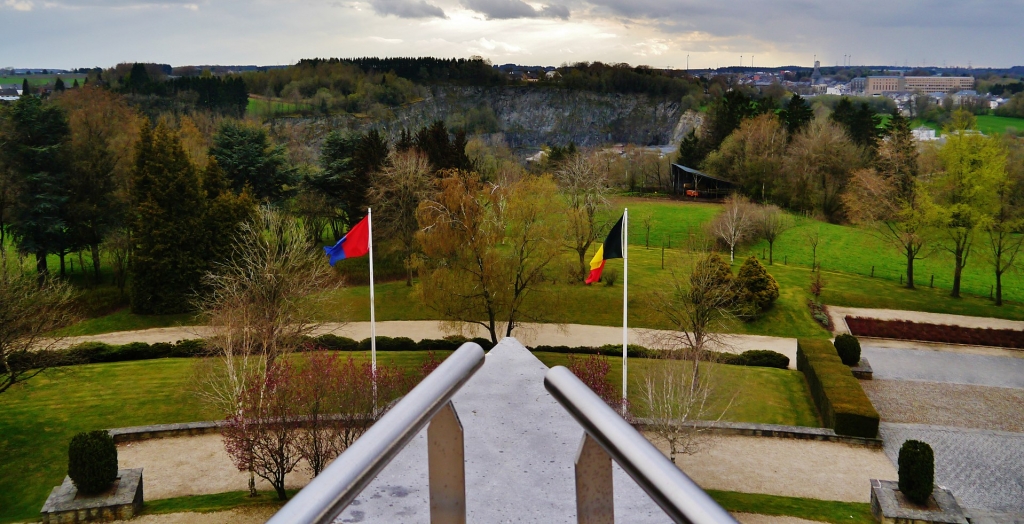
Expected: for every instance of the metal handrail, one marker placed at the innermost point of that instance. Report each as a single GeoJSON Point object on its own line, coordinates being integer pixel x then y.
{"type": "Point", "coordinates": [327, 495]}
{"type": "Point", "coordinates": [681, 498]}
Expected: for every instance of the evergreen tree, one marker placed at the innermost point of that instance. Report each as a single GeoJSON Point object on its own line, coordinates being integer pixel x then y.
{"type": "Point", "coordinates": [797, 114]}
{"type": "Point", "coordinates": [248, 158]}
{"type": "Point", "coordinates": [170, 240]}
{"type": "Point", "coordinates": [35, 137]}
{"type": "Point", "coordinates": [58, 86]}
{"type": "Point", "coordinates": [25, 89]}
{"type": "Point", "coordinates": [691, 152]}
{"type": "Point", "coordinates": [405, 141]}
{"type": "Point", "coordinates": [225, 211]}
{"type": "Point", "coordinates": [757, 290]}
{"type": "Point", "coordinates": [138, 79]}
{"type": "Point", "coordinates": [441, 150]}
{"type": "Point", "coordinates": [337, 180]}
{"type": "Point", "coordinates": [861, 123]}
{"type": "Point", "coordinates": [75, 84]}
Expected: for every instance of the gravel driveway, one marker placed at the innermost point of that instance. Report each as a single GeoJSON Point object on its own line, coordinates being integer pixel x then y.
{"type": "Point", "coordinates": [942, 366]}
{"type": "Point", "coordinates": [944, 404]}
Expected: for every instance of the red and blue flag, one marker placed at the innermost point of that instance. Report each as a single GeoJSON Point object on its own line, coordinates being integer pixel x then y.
{"type": "Point", "coordinates": [355, 243]}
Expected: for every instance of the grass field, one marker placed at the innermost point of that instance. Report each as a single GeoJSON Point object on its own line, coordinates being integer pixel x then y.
{"type": "Point", "coordinates": [991, 124]}
{"type": "Point", "coordinates": [264, 107]}
{"type": "Point", "coordinates": [757, 395]}
{"type": "Point", "coordinates": [38, 80]}
{"type": "Point", "coordinates": [41, 416]}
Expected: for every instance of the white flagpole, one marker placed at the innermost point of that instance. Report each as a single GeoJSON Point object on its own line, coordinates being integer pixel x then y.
{"type": "Point", "coordinates": [373, 320]}
{"type": "Point", "coordinates": [625, 294]}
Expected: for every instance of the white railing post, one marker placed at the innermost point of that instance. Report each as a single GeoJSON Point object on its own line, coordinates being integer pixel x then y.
{"type": "Point", "coordinates": [446, 464]}
{"type": "Point", "coordinates": [594, 501]}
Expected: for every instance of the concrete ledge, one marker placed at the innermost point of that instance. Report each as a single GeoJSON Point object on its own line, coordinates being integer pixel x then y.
{"type": "Point", "coordinates": [862, 370]}
{"type": "Point", "coordinates": [889, 507]}
{"type": "Point", "coordinates": [775, 431]}
{"type": "Point", "coordinates": [184, 429]}
{"type": "Point", "coordinates": [65, 506]}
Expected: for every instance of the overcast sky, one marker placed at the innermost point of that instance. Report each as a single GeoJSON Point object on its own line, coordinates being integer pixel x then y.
{"type": "Point", "coordinates": [85, 33]}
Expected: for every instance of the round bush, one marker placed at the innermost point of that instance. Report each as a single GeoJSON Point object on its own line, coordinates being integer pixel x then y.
{"type": "Point", "coordinates": [917, 471]}
{"type": "Point", "coordinates": [92, 461]}
{"type": "Point", "coordinates": [763, 358]}
{"type": "Point", "coordinates": [848, 348]}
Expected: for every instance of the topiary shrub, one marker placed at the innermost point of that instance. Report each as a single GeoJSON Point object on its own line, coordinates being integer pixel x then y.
{"type": "Point", "coordinates": [917, 471]}
{"type": "Point", "coordinates": [92, 461]}
{"type": "Point", "coordinates": [757, 290]}
{"type": "Point", "coordinates": [760, 358]}
{"type": "Point", "coordinates": [848, 348]}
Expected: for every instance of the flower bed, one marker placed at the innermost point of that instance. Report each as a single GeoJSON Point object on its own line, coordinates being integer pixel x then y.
{"type": "Point", "coordinates": [907, 330]}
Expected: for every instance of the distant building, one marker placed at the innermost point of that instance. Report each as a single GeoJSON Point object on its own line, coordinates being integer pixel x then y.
{"type": "Point", "coordinates": [924, 134]}
{"type": "Point", "coordinates": [816, 74]}
{"type": "Point", "coordinates": [857, 84]}
{"type": "Point", "coordinates": [693, 183]}
{"type": "Point", "coordinates": [10, 92]}
{"type": "Point", "coordinates": [876, 85]}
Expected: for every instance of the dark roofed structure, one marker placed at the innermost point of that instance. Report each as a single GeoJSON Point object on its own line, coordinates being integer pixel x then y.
{"type": "Point", "coordinates": [688, 179]}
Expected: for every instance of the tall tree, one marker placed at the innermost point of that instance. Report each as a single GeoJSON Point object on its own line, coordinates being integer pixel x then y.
{"type": "Point", "coordinates": [248, 158]}
{"type": "Point", "coordinates": [168, 208]}
{"type": "Point", "coordinates": [443, 152]}
{"type": "Point", "coordinates": [583, 185]}
{"type": "Point", "coordinates": [691, 150]}
{"type": "Point", "coordinates": [36, 138]}
{"type": "Point", "coordinates": [818, 167]}
{"type": "Point", "coordinates": [797, 114]}
{"type": "Point", "coordinates": [752, 156]}
{"type": "Point", "coordinates": [396, 193]}
{"type": "Point", "coordinates": [1003, 230]}
{"type": "Point", "coordinates": [860, 122]}
{"type": "Point", "coordinates": [103, 133]}
{"type": "Point", "coordinates": [58, 86]}
{"type": "Point", "coordinates": [972, 166]}
{"type": "Point", "coordinates": [487, 249]}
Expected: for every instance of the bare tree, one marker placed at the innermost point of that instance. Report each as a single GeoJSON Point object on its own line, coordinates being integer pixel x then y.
{"type": "Point", "coordinates": [396, 192]}
{"type": "Point", "coordinates": [771, 222]}
{"type": "Point", "coordinates": [813, 238]}
{"type": "Point", "coordinates": [647, 222]}
{"type": "Point", "coordinates": [680, 394]}
{"type": "Point", "coordinates": [583, 185]}
{"type": "Point", "coordinates": [261, 304]}
{"type": "Point", "coordinates": [734, 224]}
{"type": "Point", "coordinates": [118, 246]}
{"type": "Point", "coordinates": [29, 313]}
{"type": "Point", "coordinates": [486, 249]}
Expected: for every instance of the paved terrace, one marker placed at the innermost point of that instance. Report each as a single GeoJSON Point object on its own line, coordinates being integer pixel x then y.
{"type": "Point", "coordinates": [520, 448]}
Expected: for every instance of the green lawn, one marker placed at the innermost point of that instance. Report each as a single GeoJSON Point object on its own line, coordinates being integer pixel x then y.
{"type": "Point", "coordinates": [758, 395]}
{"type": "Point", "coordinates": [40, 417]}
{"type": "Point", "coordinates": [263, 107]}
{"type": "Point", "coordinates": [810, 509]}
{"type": "Point", "coordinates": [38, 80]}
{"type": "Point", "coordinates": [992, 124]}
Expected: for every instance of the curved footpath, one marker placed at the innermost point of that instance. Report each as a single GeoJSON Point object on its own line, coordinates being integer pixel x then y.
{"type": "Point", "coordinates": [529, 334]}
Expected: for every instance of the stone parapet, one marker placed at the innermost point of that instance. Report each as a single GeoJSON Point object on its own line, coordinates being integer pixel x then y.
{"type": "Point", "coordinates": [124, 501]}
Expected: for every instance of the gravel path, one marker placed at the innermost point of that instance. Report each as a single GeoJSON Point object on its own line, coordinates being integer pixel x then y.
{"type": "Point", "coordinates": [985, 469]}
{"type": "Point", "coordinates": [941, 404]}
{"type": "Point", "coordinates": [528, 334]}
{"type": "Point", "coordinates": [941, 366]}
{"type": "Point", "coordinates": [839, 314]}
{"type": "Point", "coordinates": [181, 466]}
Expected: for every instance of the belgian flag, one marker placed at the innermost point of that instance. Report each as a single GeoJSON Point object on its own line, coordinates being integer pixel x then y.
{"type": "Point", "coordinates": [612, 248]}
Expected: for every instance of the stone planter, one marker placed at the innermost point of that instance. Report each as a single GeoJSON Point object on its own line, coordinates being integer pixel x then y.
{"type": "Point", "coordinates": [890, 507]}
{"type": "Point", "coordinates": [123, 501]}
{"type": "Point", "coordinates": [862, 370]}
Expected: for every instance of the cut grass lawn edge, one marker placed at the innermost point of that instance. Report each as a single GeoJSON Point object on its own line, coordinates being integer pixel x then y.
{"type": "Point", "coordinates": [213, 502]}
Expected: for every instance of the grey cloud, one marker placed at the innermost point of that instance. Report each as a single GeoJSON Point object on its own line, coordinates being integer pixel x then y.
{"type": "Point", "coordinates": [407, 9]}
{"type": "Point", "coordinates": [508, 9]}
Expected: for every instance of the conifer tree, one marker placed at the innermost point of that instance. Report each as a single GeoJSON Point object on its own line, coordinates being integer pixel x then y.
{"type": "Point", "coordinates": [797, 114]}
{"type": "Point", "coordinates": [225, 212]}
{"type": "Point", "coordinates": [58, 86]}
{"type": "Point", "coordinates": [757, 289]}
{"type": "Point", "coordinates": [25, 90]}
{"type": "Point", "coordinates": [168, 230]}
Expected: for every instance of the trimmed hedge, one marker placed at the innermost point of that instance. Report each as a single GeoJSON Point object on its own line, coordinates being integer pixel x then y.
{"type": "Point", "coordinates": [92, 461]}
{"type": "Point", "coordinates": [754, 358]}
{"type": "Point", "coordinates": [848, 348]}
{"type": "Point", "coordinates": [762, 358]}
{"type": "Point", "coordinates": [917, 471]}
{"type": "Point", "coordinates": [840, 400]}
{"type": "Point", "coordinates": [608, 350]}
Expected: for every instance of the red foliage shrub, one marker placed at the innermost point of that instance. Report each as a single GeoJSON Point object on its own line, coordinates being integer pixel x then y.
{"type": "Point", "coordinates": [593, 371]}
{"type": "Point", "coordinates": [430, 364]}
{"type": "Point", "coordinates": [907, 330]}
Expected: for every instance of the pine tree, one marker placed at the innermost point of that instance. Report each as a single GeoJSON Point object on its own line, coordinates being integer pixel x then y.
{"type": "Point", "coordinates": [691, 151]}
{"type": "Point", "coordinates": [58, 86]}
{"type": "Point", "coordinates": [797, 114]}
{"type": "Point", "coordinates": [248, 158]}
{"type": "Point", "coordinates": [168, 229]}
{"type": "Point", "coordinates": [225, 211]}
{"type": "Point", "coordinates": [36, 140]}
{"type": "Point", "coordinates": [757, 289]}
{"type": "Point", "coordinates": [75, 84]}
{"type": "Point", "coordinates": [25, 88]}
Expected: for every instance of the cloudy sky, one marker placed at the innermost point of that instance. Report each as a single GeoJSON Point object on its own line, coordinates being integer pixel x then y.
{"type": "Point", "coordinates": [85, 33]}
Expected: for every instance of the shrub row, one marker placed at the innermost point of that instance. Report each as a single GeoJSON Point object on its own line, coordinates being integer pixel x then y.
{"type": "Point", "coordinates": [841, 401]}
{"type": "Point", "coordinates": [907, 330]}
{"type": "Point", "coordinates": [756, 358]}
{"type": "Point", "coordinates": [99, 352]}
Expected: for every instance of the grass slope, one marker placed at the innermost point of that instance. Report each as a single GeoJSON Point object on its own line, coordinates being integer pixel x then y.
{"type": "Point", "coordinates": [40, 417]}
{"type": "Point", "coordinates": [757, 395]}
{"type": "Point", "coordinates": [810, 509]}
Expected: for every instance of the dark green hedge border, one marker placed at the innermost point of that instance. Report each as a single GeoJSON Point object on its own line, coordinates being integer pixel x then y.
{"type": "Point", "coordinates": [840, 400]}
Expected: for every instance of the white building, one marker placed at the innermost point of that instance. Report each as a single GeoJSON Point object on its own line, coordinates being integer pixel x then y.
{"type": "Point", "coordinates": [924, 134]}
